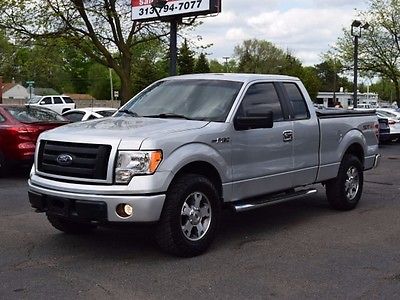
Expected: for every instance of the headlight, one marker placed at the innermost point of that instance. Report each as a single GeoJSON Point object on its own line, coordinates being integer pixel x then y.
{"type": "Point", "coordinates": [131, 163]}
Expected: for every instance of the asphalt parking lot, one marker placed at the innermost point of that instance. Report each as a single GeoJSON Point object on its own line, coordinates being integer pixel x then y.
{"type": "Point", "coordinates": [294, 250]}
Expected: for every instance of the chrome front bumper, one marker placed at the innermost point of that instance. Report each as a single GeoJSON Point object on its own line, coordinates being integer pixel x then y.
{"type": "Point", "coordinates": [145, 208]}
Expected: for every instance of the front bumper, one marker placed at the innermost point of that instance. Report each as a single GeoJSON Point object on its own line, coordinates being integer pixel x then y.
{"type": "Point", "coordinates": [95, 207]}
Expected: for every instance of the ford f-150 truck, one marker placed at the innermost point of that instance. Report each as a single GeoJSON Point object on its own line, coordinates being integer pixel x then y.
{"type": "Point", "coordinates": [187, 146]}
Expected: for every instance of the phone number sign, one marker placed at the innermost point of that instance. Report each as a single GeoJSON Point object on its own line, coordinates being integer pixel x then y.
{"type": "Point", "coordinates": [142, 10]}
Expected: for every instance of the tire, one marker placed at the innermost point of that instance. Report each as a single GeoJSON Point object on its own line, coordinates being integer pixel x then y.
{"type": "Point", "coordinates": [190, 216]}
{"type": "Point", "coordinates": [344, 191]}
{"type": "Point", "coordinates": [69, 226]}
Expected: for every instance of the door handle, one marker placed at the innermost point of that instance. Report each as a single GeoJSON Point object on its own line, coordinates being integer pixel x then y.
{"type": "Point", "coordinates": [288, 136]}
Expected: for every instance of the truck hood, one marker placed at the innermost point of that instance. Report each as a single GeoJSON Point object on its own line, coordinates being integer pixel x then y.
{"type": "Point", "coordinates": [132, 131]}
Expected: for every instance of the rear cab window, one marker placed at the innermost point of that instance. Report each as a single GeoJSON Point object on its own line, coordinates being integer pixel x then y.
{"type": "Point", "coordinates": [297, 102]}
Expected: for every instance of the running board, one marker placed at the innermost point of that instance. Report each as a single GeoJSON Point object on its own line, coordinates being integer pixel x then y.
{"type": "Point", "coordinates": [242, 206]}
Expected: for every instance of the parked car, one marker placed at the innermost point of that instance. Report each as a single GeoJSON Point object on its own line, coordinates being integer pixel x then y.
{"type": "Point", "coordinates": [58, 103]}
{"type": "Point", "coordinates": [187, 146]}
{"type": "Point", "coordinates": [394, 125]}
{"type": "Point", "coordinates": [90, 113]}
{"type": "Point", "coordinates": [389, 113]}
{"type": "Point", "coordinates": [20, 127]}
{"type": "Point", "coordinates": [384, 130]}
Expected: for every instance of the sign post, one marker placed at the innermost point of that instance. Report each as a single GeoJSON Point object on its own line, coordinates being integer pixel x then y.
{"type": "Point", "coordinates": [30, 86]}
{"type": "Point", "coordinates": [172, 11]}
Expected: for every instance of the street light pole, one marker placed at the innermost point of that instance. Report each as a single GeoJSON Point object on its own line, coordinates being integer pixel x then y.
{"type": "Point", "coordinates": [226, 63]}
{"type": "Point", "coordinates": [355, 82]}
{"type": "Point", "coordinates": [356, 31]}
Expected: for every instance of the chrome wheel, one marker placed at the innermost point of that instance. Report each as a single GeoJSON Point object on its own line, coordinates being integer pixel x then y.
{"type": "Point", "coordinates": [352, 183]}
{"type": "Point", "coordinates": [196, 216]}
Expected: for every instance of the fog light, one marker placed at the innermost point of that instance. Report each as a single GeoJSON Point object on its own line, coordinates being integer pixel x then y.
{"type": "Point", "coordinates": [128, 209]}
{"type": "Point", "coordinates": [124, 210]}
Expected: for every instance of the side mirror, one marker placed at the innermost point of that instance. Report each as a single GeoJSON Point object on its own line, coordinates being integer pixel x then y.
{"type": "Point", "coordinates": [256, 118]}
{"type": "Point", "coordinates": [42, 102]}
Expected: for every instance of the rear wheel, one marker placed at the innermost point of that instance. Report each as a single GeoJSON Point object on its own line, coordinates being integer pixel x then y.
{"type": "Point", "coordinates": [190, 217]}
{"type": "Point", "coordinates": [344, 191]}
{"type": "Point", "coordinates": [69, 226]}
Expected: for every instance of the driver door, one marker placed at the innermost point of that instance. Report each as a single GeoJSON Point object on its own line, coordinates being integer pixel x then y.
{"type": "Point", "coordinates": [262, 159]}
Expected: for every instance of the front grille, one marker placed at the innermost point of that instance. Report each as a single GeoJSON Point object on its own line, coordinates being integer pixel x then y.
{"type": "Point", "coordinates": [89, 161]}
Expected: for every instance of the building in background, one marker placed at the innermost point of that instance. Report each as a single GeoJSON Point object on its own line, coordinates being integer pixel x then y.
{"type": "Point", "coordinates": [346, 99]}
{"type": "Point", "coordinates": [14, 90]}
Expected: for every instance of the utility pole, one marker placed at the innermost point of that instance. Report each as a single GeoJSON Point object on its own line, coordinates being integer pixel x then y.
{"type": "Point", "coordinates": [111, 84]}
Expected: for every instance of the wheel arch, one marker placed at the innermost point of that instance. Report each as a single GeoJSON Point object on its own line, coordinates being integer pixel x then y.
{"type": "Point", "coordinates": [201, 168]}
{"type": "Point", "coordinates": [357, 150]}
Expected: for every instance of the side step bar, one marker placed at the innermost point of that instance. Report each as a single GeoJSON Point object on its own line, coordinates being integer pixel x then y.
{"type": "Point", "coordinates": [242, 206]}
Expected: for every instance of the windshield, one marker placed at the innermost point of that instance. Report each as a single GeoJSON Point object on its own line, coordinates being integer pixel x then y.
{"type": "Point", "coordinates": [208, 100]}
{"type": "Point", "coordinates": [34, 99]}
{"type": "Point", "coordinates": [26, 114]}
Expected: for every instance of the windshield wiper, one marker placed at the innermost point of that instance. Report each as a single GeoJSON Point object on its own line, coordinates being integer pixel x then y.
{"type": "Point", "coordinates": [169, 115]}
{"type": "Point", "coordinates": [128, 112]}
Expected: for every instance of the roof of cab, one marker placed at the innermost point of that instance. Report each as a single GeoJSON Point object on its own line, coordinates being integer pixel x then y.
{"type": "Point", "coordinates": [235, 77]}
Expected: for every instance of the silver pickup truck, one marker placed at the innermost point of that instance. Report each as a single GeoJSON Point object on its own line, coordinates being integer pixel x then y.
{"type": "Point", "coordinates": [187, 146]}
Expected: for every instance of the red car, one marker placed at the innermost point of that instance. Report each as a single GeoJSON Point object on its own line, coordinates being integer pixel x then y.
{"type": "Point", "coordinates": [20, 127]}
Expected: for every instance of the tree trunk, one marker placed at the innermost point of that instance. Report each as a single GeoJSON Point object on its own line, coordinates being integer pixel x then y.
{"type": "Point", "coordinates": [126, 89]}
{"type": "Point", "coordinates": [397, 88]}
{"type": "Point", "coordinates": [126, 79]}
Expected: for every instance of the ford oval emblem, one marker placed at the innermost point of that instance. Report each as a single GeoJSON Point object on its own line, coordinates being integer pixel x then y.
{"type": "Point", "coordinates": [64, 159]}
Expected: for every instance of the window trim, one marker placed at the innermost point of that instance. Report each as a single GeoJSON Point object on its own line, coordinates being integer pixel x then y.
{"type": "Point", "coordinates": [285, 111]}
{"type": "Point", "coordinates": [290, 107]}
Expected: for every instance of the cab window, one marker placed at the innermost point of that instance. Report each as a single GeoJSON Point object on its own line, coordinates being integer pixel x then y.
{"type": "Point", "coordinates": [262, 95]}
{"type": "Point", "coordinates": [297, 101]}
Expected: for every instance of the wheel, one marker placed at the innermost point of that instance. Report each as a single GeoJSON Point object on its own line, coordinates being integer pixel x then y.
{"type": "Point", "coordinates": [190, 216]}
{"type": "Point", "coordinates": [69, 226]}
{"type": "Point", "coordinates": [344, 191]}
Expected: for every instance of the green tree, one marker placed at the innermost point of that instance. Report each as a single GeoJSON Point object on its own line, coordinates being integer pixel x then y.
{"type": "Point", "coordinates": [327, 71]}
{"type": "Point", "coordinates": [216, 66]}
{"type": "Point", "coordinates": [202, 64]}
{"type": "Point", "coordinates": [100, 29]}
{"type": "Point", "coordinates": [380, 45]}
{"type": "Point", "coordinates": [186, 59]}
{"type": "Point", "coordinates": [311, 81]}
{"type": "Point", "coordinates": [263, 57]}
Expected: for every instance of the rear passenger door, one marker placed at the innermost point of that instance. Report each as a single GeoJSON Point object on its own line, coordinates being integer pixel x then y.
{"type": "Point", "coordinates": [58, 104]}
{"type": "Point", "coordinates": [305, 135]}
{"type": "Point", "coordinates": [262, 159]}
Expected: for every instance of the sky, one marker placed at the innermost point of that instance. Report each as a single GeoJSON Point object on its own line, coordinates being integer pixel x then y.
{"type": "Point", "coordinates": [307, 28]}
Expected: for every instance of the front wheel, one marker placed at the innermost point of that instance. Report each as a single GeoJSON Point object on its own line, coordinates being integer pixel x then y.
{"type": "Point", "coordinates": [344, 191]}
{"type": "Point", "coordinates": [190, 217]}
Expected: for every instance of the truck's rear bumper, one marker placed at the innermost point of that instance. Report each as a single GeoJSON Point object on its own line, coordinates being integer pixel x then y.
{"type": "Point", "coordinates": [95, 207]}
